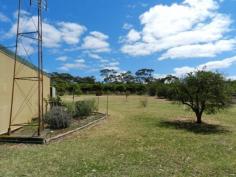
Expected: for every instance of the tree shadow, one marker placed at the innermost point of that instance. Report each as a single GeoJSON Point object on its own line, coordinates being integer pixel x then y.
{"type": "Point", "coordinates": [203, 128]}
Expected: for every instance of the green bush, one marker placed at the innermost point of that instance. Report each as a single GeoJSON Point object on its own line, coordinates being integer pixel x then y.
{"type": "Point", "coordinates": [55, 101]}
{"type": "Point", "coordinates": [85, 108]}
{"type": "Point", "coordinates": [57, 118]}
{"type": "Point", "coordinates": [162, 91]}
{"type": "Point", "coordinates": [70, 107]}
{"type": "Point", "coordinates": [152, 90]}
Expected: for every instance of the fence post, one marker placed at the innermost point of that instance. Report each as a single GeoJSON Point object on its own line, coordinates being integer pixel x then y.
{"type": "Point", "coordinates": [107, 107]}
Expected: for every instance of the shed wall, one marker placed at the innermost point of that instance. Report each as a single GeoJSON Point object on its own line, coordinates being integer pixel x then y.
{"type": "Point", "coordinates": [25, 97]}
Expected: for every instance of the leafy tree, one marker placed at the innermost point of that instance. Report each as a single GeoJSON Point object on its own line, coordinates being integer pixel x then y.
{"type": "Point", "coordinates": [140, 89]}
{"type": "Point", "coordinates": [108, 87]}
{"type": "Point", "coordinates": [109, 75]}
{"type": "Point", "coordinates": [120, 88]}
{"type": "Point", "coordinates": [61, 87]}
{"type": "Point", "coordinates": [98, 89]}
{"type": "Point", "coordinates": [127, 77]}
{"type": "Point", "coordinates": [203, 91]}
{"type": "Point", "coordinates": [86, 88]}
{"type": "Point", "coordinates": [62, 76]}
{"type": "Point", "coordinates": [87, 80]}
{"type": "Point", "coordinates": [131, 88]}
{"type": "Point", "coordinates": [144, 75]}
{"type": "Point", "coordinates": [162, 90]}
{"type": "Point", "coordinates": [169, 79]}
{"type": "Point", "coordinates": [152, 89]}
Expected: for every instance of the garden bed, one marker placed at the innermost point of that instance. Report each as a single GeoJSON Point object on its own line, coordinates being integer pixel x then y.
{"type": "Point", "coordinates": [28, 134]}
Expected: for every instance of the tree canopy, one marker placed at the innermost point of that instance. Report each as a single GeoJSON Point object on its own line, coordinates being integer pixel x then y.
{"type": "Point", "coordinates": [203, 91]}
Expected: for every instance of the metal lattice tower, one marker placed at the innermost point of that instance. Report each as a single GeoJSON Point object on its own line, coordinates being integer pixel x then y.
{"type": "Point", "coordinates": [38, 6]}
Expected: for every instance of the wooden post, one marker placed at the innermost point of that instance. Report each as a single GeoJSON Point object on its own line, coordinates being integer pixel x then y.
{"type": "Point", "coordinates": [107, 107]}
{"type": "Point", "coordinates": [98, 103]}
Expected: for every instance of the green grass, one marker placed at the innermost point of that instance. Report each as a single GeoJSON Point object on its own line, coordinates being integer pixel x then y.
{"type": "Point", "coordinates": [159, 140]}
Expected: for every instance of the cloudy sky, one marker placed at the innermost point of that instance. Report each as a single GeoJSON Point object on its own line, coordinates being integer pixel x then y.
{"type": "Point", "coordinates": [169, 36]}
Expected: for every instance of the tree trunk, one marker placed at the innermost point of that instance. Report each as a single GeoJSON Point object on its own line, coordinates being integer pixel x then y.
{"type": "Point", "coordinates": [199, 118]}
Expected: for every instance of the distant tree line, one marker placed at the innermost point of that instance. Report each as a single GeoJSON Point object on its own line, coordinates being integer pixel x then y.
{"type": "Point", "coordinates": [201, 91]}
{"type": "Point", "coordinates": [141, 82]}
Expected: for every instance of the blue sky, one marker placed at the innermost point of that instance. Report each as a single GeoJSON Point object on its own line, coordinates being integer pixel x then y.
{"type": "Point", "coordinates": [171, 37]}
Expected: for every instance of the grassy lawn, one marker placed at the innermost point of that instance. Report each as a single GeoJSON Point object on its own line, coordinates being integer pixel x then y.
{"type": "Point", "coordinates": [158, 140]}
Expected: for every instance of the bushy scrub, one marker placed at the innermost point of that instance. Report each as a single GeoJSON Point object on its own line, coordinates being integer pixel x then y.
{"type": "Point", "coordinates": [162, 91]}
{"type": "Point", "coordinates": [152, 90]}
{"type": "Point", "coordinates": [55, 101]}
{"type": "Point", "coordinates": [58, 118]}
{"type": "Point", "coordinates": [85, 108]}
{"type": "Point", "coordinates": [70, 107]}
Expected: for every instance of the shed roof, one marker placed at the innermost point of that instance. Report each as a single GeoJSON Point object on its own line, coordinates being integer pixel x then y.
{"type": "Point", "coordinates": [20, 59]}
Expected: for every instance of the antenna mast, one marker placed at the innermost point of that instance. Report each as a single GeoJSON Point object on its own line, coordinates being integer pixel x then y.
{"type": "Point", "coordinates": [37, 36]}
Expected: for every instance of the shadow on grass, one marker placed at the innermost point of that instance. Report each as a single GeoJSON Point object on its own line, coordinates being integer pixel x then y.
{"type": "Point", "coordinates": [203, 128]}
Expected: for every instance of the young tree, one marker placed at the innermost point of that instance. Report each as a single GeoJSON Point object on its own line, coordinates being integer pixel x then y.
{"type": "Point", "coordinates": [74, 89]}
{"type": "Point", "coordinates": [203, 91]}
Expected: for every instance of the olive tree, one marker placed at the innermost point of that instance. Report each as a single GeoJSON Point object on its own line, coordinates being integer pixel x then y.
{"type": "Point", "coordinates": [203, 91]}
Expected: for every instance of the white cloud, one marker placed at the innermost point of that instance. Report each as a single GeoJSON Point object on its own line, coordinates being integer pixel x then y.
{"type": "Point", "coordinates": [133, 36]}
{"type": "Point", "coordinates": [96, 42]}
{"type": "Point", "coordinates": [78, 64]}
{"type": "Point", "coordinates": [220, 64]}
{"type": "Point", "coordinates": [190, 24]}
{"type": "Point", "coordinates": [209, 66]}
{"type": "Point", "coordinates": [62, 58]}
{"type": "Point", "coordinates": [71, 32]}
{"type": "Point", "coordinates": [231, 78]}
{"type": "Point", "coordinates": [159, 76]}
{"type": "Point", "coordinates": [200, 50]}
{"type": "Point", "coordinates": [111, 65]}
{"type": "Point", "coordinates": [26, 47]}
{"type": "Point", "coordinates": [94, 56]}
{"type": "Point", "coordinates": [3, 18]}
{"type": "Point", "coordinates": [179, 72]}
{"type": "Point", "coordinates": [53, 35]}
{"type": "Point", "coordinates": [80, 61]}
{"type": "Point", "coordinates": [127, 26]}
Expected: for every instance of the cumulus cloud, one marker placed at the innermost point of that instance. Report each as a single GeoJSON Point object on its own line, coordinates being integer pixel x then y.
{"type": "Point", "coordinates": [78, 64]}
{"type": "Point", "coordinates": [133, 36]}
{"type": "Point", "coordinates": [71, 32]}
{"type": "Point", "coordinates": [199, 50]}
{"type": "Point", "coordinates": [96, 42]}
{"type": "Point", "coordinates": [209, 66]}
{"type": "Point", "coordinates": [178, 29]}
{"type": "Point", "coordinates": [53, 34]}
{"type": "Point", "coordinates": [26, 47]}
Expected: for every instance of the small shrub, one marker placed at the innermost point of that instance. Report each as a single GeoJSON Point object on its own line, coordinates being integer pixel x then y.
{"type": "Point", "coordinates": [55, 101]}
{"type": "Point", "coordinates": [85, 108]}
{"type": "Point", "coordinates": [144, 102]}
{"type": "Point", "coordinates": [70, 108]}
{"type": "Point", "coordinates": [57, 118]}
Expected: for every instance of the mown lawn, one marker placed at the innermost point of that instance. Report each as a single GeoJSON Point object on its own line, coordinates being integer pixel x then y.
{"type": "Point", "coordinates": [158, 140]}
